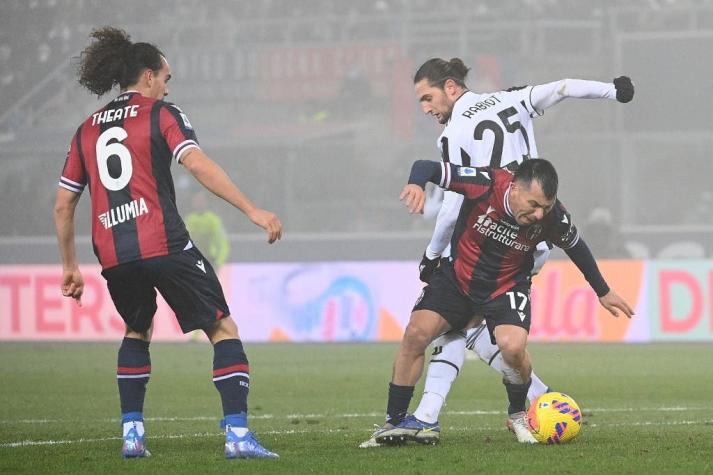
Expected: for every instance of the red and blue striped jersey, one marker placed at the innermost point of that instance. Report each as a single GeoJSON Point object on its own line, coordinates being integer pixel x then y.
{"type": "Point", "coordinates": [490, 252]}
{"type": "Point", "coordinates": [124, 153]}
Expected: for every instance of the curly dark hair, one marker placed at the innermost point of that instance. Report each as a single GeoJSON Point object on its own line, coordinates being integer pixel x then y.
{"type": "Point", "coordinates": [114, 59]}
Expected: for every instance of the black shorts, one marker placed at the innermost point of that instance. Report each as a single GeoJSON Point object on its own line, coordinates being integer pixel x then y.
{"type": "Point", "coordinates": [513, 308]}
{"type": "Point", "coordinates": [444, 297]}
{"type": "Point", "coordinates": [186, 281]}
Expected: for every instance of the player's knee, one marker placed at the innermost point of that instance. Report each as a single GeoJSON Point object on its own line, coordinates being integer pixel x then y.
{"type": "Point", "coordinates": [452, 352]}
{"type": "Point", "coordinates": [138, 335]}
{"type": "Point", "coordinates": [416, 339]}
{"type": "Point", "coordinates": [224, 329]}
{"type": "Point", "coordinates": [512, 350]}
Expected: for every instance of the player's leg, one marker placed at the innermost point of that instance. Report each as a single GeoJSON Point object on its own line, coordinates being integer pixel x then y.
{"type": "Point", "coordinates": [512, 341]}
{"type": "Point", "coordinates": [508, 326]}
{"type": "Point", "coordinates": [231, 376]}
{"type": "Point", "coordinates": [423, 327]}
{"type": "Point", "coordinates": [191, 288]}
{"type": "Point", "coordinates": [135, 299]}
{"type": "Point", "coordinates": [133, 373]}
{"type": "Point", "coordinates": [478, 341]}
{"type": "Point", "coordinates": [446, 362]}
{"type": "Point", "coordinates": [441, 307]}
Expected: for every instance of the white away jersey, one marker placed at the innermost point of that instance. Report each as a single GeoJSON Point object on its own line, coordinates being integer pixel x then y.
{"type": "Point", "coordinates": [492, 129]}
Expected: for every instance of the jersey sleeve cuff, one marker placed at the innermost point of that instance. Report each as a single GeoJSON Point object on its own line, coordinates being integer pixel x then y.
{"type": "Point", "coordinates": [182, 147]}
{"type": "Point", "coordinates": [71, 185]}
{"type": "Point", "coordinates": [534, 112]}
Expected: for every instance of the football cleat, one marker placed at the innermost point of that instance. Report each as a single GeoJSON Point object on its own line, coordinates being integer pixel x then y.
{"type": "Point", "coordinates": [410, 428]}
{"type": "Point", "coordinates": [386, 435]}
{"type": "Point", "coordinates": [134, 446]}
{"type": "Point", "coordinates": [368, 444]}
{"type": "Point", "coordinates": [372, 440]}
{"type": "Point", "coordinates": [508, 422]}
{"type": "Point", "coordinates": [245, 447]}
{"type": "Point", "coordinates": [521, 428]}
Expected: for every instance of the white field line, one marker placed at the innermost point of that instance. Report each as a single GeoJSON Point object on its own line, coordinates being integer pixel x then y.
{"type": "Point", "coordinates": [343, 416]}
{"type": "Point", "coordinates": [35, 443]}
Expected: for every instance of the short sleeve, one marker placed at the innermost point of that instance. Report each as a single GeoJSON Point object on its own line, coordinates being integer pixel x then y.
{"type": "Point", "coordinates": [523, 95]}
{"type": "Point", "coordinates": [74, 176]}
{"type": "Point", "coordinates": [177, 130]}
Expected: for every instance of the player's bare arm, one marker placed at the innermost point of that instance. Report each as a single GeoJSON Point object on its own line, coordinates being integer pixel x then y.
{"type": "Point", "coordinates": [72, 282]}
{"type": "Point", "coordinates": [213, 177]}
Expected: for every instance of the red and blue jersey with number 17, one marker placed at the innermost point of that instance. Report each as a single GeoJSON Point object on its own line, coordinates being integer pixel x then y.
{"type": "Point", "coordinates": [123, 152]}
{"type": "Point", "coordinates": [490, 253]}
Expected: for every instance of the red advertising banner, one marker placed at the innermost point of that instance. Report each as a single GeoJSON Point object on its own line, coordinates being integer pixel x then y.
{"type": "Point", "coordinates": [33, 308]}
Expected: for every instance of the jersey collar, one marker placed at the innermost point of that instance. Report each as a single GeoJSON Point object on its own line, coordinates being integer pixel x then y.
{"type": "Point", "coordinates": [506, 202]}
{"type": "Point", "coordinates": [129, 92]}
{"type": "Point", "coordinates": [460, 105]}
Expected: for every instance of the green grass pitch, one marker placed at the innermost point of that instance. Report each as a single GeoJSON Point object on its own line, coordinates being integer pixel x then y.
{"type": "Point", "coordinates": [647, 409]}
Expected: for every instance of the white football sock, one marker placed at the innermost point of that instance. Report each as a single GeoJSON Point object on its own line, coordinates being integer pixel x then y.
{"type": "Point", "coordinates": [430, 407]}
{"type": "Point", "coordinates": [446, 362]}
{"type": "Point", "coordinates": [537, 388]}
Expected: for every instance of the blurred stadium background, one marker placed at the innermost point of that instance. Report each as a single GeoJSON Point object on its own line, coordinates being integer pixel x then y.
{"type": "Point", "coordinates": [309, 105]}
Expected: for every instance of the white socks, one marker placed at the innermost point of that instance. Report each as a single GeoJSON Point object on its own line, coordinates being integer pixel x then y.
{"type": "Point", "coordinates": [446, 362]}
{"type": "Point", "coordinates": [430, 407]}
{"type": "Point", "coordinates": [537, 388]}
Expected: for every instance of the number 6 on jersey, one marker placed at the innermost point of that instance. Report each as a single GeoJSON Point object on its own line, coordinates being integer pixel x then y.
{"type": "Point", "coordinates": [105, 150]}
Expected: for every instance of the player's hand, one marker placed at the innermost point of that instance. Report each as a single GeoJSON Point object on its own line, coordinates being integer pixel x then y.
{"type": "Point", "coordinates": [611, 301]}
{"type": "Point", "coordinates": [72, 284]}
{"type": "Point", "coordinates": [427, 267]}
{"type": "Point", "coordinates": [414, 198]}
{"type": "Point", "coordinates": [624, 89]}
{"type": "Point", "coordinates": [267, 221]}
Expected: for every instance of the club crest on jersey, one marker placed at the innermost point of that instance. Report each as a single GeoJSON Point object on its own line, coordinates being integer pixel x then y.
{"type": "Point", "coordinates": [467, 171]}
{"type": "Point", "coordinates": [533, 232]}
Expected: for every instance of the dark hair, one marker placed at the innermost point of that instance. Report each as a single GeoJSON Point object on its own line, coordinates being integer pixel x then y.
{"type": "Point", "coordinates": [540, 170]}
{"type": "Point", "coordinates": [114, 59]}
{"type": "Point", "coordinates": [437, 71]}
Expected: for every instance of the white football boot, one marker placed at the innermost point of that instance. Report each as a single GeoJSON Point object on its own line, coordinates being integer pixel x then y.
{"type": "Point", "coordinates": [521, 428]}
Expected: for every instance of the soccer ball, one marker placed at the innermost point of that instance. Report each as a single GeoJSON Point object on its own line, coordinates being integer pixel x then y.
{"type": "Point", "coordinates": [554, 418]}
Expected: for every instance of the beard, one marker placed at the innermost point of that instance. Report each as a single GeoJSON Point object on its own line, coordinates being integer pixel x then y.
{"type": "Point", "coordinates": [444, 118]}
